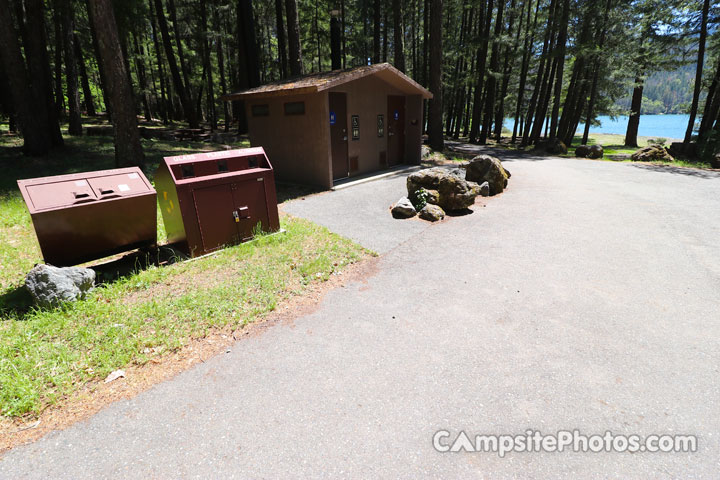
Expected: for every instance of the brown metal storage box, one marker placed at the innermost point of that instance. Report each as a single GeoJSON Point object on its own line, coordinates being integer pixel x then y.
{"type": "Point", "coordinates": [86, 216]}
{"type": "Point", "coordinates": [209, 200]}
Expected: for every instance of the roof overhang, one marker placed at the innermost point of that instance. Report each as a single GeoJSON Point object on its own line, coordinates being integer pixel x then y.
{"type": "Point", "coordinates": [316, 83]}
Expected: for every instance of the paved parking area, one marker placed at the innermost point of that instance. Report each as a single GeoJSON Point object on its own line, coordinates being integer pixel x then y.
{"type": "Point", "coordinates": [584, 297]}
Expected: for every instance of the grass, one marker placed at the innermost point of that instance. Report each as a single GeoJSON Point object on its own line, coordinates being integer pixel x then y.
{"type": "Point", "coordinates": [47, 355]}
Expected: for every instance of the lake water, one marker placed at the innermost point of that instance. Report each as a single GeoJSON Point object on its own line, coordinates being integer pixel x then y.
{"type": "Point", "coordinates": [658, 126]}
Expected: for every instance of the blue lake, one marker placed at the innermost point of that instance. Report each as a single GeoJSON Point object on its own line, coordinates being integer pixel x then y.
{"type": "Point", "coordinates": [665, 126]}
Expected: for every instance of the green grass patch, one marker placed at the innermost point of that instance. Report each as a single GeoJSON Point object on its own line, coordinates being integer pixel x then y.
{"type": "Point", "coordinates": [48, 354]}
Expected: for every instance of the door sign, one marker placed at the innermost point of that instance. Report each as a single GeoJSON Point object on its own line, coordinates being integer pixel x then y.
{"type": "Point", "coordinates": [333, 119]}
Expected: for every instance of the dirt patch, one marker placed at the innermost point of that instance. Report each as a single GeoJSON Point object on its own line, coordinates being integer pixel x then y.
{"type": "Point", "coordinates": [97, 395]}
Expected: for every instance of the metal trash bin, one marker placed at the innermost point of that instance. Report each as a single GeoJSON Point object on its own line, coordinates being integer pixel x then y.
{"type": "Point", "coordinates": [209, 200]}
{"type": "Point", "coordinates": [86, 216]}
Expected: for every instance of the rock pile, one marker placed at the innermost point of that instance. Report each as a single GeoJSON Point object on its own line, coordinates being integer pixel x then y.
{"type": "Point", "coordinates": [652, 153]}
{"type": "Point", "coordinates": [434, 191]}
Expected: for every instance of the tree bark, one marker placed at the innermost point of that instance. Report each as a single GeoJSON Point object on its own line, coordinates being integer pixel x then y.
{"type": "Point", "coordinates": [491, 84]}
{"type": "Point", "coordinates": [30, 110]}
{"type": "Point", "coordinates": [376, 31]}
{"type": "Point", "coordinates": [128, 151]}
{"type": "Point", "coordinates": [221, 69]}
{"type": "Point", "coordinates": [698, 71]}
{"type": "Point", "coordinates": [527, 51]}
{"type": "Point", "coordinates": [634, 120]}
{"type": "Point", "coordinates": [483, 33]}
{"type": "Point", "coordinates": [712, 103]}
{"type": "Point", "coordinates": [71, 71]}
{"type": "Point", "coordinates": [184, 68]}
{"type": "Point", "coordinates": [282, 48]}
{"type": "Point", "coordinates": [85, 81]}
{"type": "Point", "coordinates": [39, 65]}
{"type": "Point", "coordinates": [560, 59]}
{"type": "Point", "coordinates": [165, 105]}
{"type": "Point", "coordinates": [142, 78]}
{"type": "Point", "coordinates": [295, 59]}
{"type": "Point", "coordinates": [180, 87]}
{"type": "Point", "coordinates": [435, 127]}
{"type": "Point", "coordinates": [398, 34]}
{"type": "Point", "coordinates": [212, 112]}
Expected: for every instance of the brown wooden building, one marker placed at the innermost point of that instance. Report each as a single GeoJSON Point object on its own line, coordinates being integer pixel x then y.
{"type": "Point", "coordinates": [324, 127]}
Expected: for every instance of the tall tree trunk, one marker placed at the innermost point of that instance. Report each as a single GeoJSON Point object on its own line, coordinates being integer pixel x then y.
{"type": "Point", "coordinates": [142, 78]}
{"type": "Point", "coordinates": [712, 103]}
{"type": "Point", "coordinates": [491, 84]}
{"type": "Point", "coordinates": [165, 104]}
{"type": "Point", "coordinates": [698, 71]}
{"type": "Point", "coordinates": [399, 54]}
{"type": "Point", "coordinates": [376, 31]}
{"type": "Point", "coordinates": [634, 120]}
{"type": "Point", "coordinates": [435, 127]}
{"type": "Point", "coordinates": [342, 34]}
{"type": "Point", "coordinates": [128, 151]}
{"type": "Point", "coordinates": [98, 60]}
{"type": "Point", "coordinates": [510, 54]}
{"type": "Point", "coordinates": [527, 51]}
{"type": "Point", "coordinates": [248, 66]}
{"type": "Point", "coordinates": [596, 74]}
{"type": "Point", "coordinates": [212, 113]}
{"type": "Point", "coordinates": [560, 59]}
{"type": "Point", "coordinates": [71, 71]}
{"type": "Point", "coordinates": [221, 68]}
{"type": "Point", "coordinates": [184, 68]}
{"type": "Point", "coordinates": [84, 80]}
{"type": "Point", "coordinates": [296, 66]}
{"type": "Point", "coordinates": [58, 47]}
{"type": "Point", "coordinates": [31, 110]}
{"type": "Point", "coordinates": [39, 65]}
{"type": "Point", "coordinates": [180, 88]}
{"type": "Point", "coordinates": [483, 32]}
{"type": "Point", "coordinates": [282, 48]}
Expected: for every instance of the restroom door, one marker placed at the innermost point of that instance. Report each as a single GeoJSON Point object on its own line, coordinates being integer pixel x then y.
{"type": "Point", "coordinates": [339, 135]}
{"type": "Point", "coordinates": [396, 129]}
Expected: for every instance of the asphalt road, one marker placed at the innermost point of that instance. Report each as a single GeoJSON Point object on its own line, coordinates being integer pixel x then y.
{"type": "Point", "coordinates": [585, 297]}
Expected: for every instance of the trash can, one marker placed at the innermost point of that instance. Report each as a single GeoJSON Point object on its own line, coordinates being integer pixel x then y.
{"type": "Point", "coordinates": [86, 216]}
{"type": "Point", "coordinates": [210, 200]}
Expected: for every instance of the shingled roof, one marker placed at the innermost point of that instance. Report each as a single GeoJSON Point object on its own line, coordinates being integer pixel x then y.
{"type": "Point", "coordinates": [317, 82]}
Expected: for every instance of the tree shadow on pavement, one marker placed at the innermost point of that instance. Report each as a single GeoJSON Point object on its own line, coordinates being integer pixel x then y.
{"type": "Point", "coordinates": [675, 170]}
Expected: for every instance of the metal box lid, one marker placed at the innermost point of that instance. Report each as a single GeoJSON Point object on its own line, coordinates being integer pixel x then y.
{"type": "Point", "coordinates": [63, 191]}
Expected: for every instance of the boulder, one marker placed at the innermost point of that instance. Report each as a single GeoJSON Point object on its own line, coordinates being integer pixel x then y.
{"type": "Point", "coordinates": [456, 193]}
{"type": "Point", "coordinates": [403, 209]}
{"type": "Point", "coordinates": [51, 286]}
{"type": "Point", "coordinates": [652, 153]}
{"type": "Point", "coordinates": [422, 195]}
{"type": "Point", "coordinates": [556, 147]}
{"type": "Point", "coordinates": [582, 151]}
{"type": "Point", "coordinates": [485, 168]}
{"type": "Point", "coordinates": [432, 213]}
{"type": "Point", "coordinates": [485, 189]}
{"type": "Point", "coordinates": [429, 179]}
{"type": "Point", "coordinates": [715, 161]}
{"type": "Point", "coordinates": [595, 151]}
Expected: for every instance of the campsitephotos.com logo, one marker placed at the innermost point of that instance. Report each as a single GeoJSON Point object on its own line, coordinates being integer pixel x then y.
{"type": "Point", "coordinates": [563, 441]}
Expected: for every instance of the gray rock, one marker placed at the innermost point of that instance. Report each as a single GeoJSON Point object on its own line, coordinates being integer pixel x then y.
{"type": "Point", "coordinates": [50, 286]}
{"type": "Point", "coordinates": [485, 189]}
{"type": "Point", "coordinates": [432, 213]}
{"type": "Point", "coordinates": [595, 151]}
{"type": "Point", "coordinates": [485, 168]}
{"type": "Point", "coordinates": [429, 179]}
{"type": "Point", "coordinates": [403, 209]}
{"type": "Point", "coordinates": [425, 151]}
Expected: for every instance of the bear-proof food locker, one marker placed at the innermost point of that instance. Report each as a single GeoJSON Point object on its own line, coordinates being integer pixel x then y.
{"type": "Point", "coordinates": [209, 200]}
{"type": "Point", "coordinates": [86, 216]}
